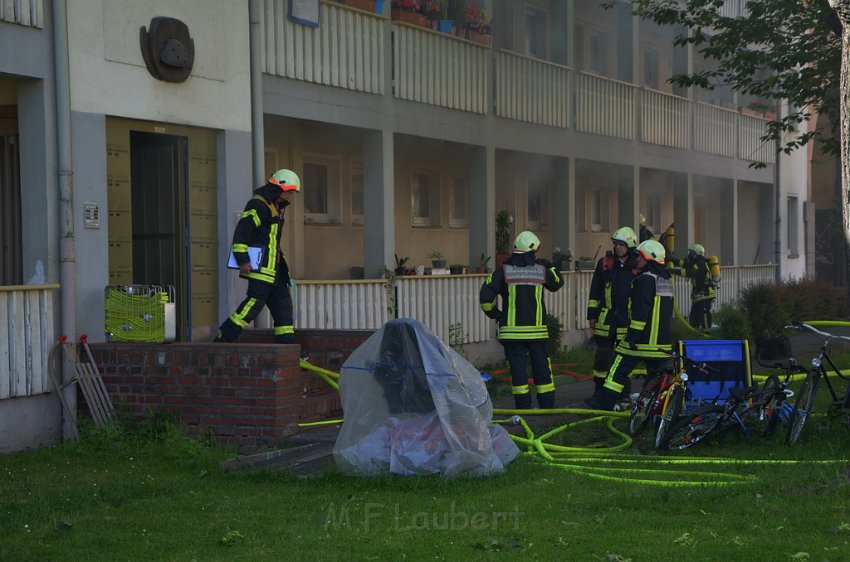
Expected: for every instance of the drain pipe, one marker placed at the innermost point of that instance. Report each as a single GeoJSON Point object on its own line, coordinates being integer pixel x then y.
{"type": "Point", "coordinates": [67, 256]}
{"type": "Point", "coordinates": [257, 131]}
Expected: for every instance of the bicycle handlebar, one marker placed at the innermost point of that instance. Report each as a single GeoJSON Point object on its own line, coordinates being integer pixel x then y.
{"type": "Point", "coordinates": [825, 335]}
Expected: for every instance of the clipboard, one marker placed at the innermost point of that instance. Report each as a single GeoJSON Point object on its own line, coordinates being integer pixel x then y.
{"type": "Point", "coordinates": [255, 254]}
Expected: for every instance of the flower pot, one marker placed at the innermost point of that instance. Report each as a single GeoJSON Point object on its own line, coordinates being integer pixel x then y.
{"type": "Point", "coordinates": [445, 26]}
{"type": "Point", "coordinates": [412, 18]}
{"type": "Point", "coordinates": [478, 37]}
{"type": "Point", "coordinates": [365, 5]}
{"type": "Point", "coordinates": [400, 270]}
{"type": "Point", "coordinates": [438, 264]}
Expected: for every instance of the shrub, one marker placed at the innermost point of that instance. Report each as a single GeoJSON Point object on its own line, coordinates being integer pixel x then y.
{"type": "Point", "coordinates": [733, 324]}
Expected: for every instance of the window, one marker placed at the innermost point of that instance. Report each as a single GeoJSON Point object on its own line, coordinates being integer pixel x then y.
{"type": "Point", "coordinates": [538, 203]}
{"type": "Point", "coordinates": [598, 211]}
{"type": "Point", "coordinates": [458, 202]}
{"type": "Point", "coordinates": [793, 223]}
{"type": "Point", "coordinates": [535, 33]}
{"type": "Point", "coordinates": [652, 213]}
{"type": "Point", "coordinates": [651, 63]}
{"type": "Point", "coordinates": [357, 194]}
{"type": "Point", "coordinates": [11, 245]}
{"type": "Point", "coordinates": [320, 191]}
{"type": "Point", "coordinates": [598, 49]}
{"type": "Point", "coordinates": [424, 200]}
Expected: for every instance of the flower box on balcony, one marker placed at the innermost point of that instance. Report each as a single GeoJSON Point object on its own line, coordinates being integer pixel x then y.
{"type": "Point", "coordinates": [365, 5]}
{"type": "Point", "coordinates": [413, 18]}
{"type": "Point", "coordinates": [478, 37]}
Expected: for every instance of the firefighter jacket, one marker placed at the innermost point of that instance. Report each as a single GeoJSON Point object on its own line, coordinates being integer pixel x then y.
{"type": "Point", "coordinates": [695, 268]}
{"type": "Point", "coordinates": [259, 226]}
{"type": "Point", "coordinates": [651, 311]}
{"type": "Point", "coordinates": [520, 282]}
{"type": "Point", "coordinates": [608, 301]}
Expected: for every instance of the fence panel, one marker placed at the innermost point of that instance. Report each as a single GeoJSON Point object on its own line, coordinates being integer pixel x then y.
{"type": "Point", "coordinates": [341, 305]}
{"type": "Point", "coordinates": [605, 107]}
{"type": "Point", "coordinates": [665, 119]}
{"type": "Point", "coordinates": [532, 90]}
{"type": "Point", "coordinates": [26, 337]}
{"type": "Point", "coordinates": [714, 129]}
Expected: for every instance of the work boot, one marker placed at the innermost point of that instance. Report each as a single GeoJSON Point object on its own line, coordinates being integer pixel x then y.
{"type": "Point", "coordinates": [219, 339]}
{"type": "Point", "coordinates": [605, 400]}
{"type": "Point", "coordinates": [522, 401]}
{"type": "Point", "coordinates": [546, 400]}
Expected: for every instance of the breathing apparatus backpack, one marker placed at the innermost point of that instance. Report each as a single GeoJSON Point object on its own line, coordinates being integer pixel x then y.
{"type": "Point", "coordinates": [714, 270]}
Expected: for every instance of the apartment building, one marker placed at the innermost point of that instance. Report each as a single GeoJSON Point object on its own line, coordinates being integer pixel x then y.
{"type": "Point", "coordinates": [132, 133]}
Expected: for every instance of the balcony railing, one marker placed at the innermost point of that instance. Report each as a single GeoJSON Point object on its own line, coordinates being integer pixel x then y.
{"type": "Point", "coordinates": [443, 301]}
{"type": "Point", "coordinates": [26, 337]}
{"type": "Point", "coordinates": [23, 12]}
{"type": "Point", "coordinates": [347, 51]}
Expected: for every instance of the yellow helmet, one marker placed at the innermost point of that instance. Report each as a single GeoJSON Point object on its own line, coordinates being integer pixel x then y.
{"type": "Point", "coordinates": [287, 180]}
{"type": "Point", "coordinates": [526, 241]}
{"type": "Point", "coordinates": [652, 250]}
{"type": "Point", "coordinates": [626, 235]}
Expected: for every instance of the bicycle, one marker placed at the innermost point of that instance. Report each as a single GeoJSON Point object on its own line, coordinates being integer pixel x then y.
{"type": "Point", "coordinates": [662, 398]}
{"type": "Point", "coordinates": [768, 406]}
{"type": "Point", "coordinates": [805, 402]}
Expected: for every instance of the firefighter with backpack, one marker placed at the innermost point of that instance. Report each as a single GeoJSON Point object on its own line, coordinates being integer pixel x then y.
{"type": "Point", "coordinates": [704, 274]}
{"type": "Point", "coordinates": [608, 301]}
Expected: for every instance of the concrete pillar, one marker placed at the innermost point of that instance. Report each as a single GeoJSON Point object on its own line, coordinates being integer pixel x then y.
{"type": "Point", "coordinates": [482, 211]}
{"type": "Point", "coordinates": [378, 201]}
{"type": "Point", "coordinates": [564, 208]}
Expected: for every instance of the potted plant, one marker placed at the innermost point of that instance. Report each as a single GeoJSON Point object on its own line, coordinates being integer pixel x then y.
{"type": "Point", "coordinates": [474, 25]}
{"type": "Point", "coordinates": [483, 264]}
{"type": "Point", "coordinates": [456, 268]}
{"type": "Point", "coordinates": [563, 261]}
{"type": "Point", "coordinates": [585, 263]}
{"type": "Point", "coordinates": [437, 259]}
{"type": "Point", "coordinates": [409, 11]}
{"type": "Point", "coordinates": [399, 264]}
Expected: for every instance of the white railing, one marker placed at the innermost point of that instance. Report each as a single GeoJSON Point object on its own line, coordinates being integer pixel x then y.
{"type": "Point", "coordinates": [440, 69]}
{"type": "Point", "coordinates": [604, 106]}
{"type": "Point", "coordinates": [26, 337]}
{"type": "Point", "coordinates": [665, 119]}
{"type": "Point", "coordinates": [714, 129]}
{"type": "Point", "coordinates": [23, 12]}
{"type": "Point", "coordinates": [442, 301]}
{"type": "Point", "coordinates": [750, 145]}
{"type": "Point", "coordinates": [346, 50]}
{"type": "Point", "coordinates": [532, 90]}
{"type": "Point", "coordinates": [341, 305]}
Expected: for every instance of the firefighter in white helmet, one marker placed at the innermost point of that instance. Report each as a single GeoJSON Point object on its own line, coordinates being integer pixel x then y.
{"type": "Point", "coordinates": [523, 332]}
{"type": "Point", "coordinates": [268, 284]}
{"type": "Point", "coordinates": [703, 292]}
{"type": "Point", "coordinates": [608, 300]}
{"type": "Point", "coordinates": [648, 338]}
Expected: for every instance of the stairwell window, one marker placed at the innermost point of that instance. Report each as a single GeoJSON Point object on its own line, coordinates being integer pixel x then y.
{"type": "Point", "coordinates": [424, 199]}
{"type": "Point", "coordinates": [458, 202]}
{"type": "Point", "coordinates": [538, 204]}
{"type": "Point", "coordinates": [321, 191]}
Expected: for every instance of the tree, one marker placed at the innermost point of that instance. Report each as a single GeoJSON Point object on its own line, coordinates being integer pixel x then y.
{"type": "Point", "coordinates": [785, 50]}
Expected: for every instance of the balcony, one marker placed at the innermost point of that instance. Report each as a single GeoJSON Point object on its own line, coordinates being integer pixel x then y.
{"type": "Point", "coordinates": [29, 13]}
{"type": "Point", "coordinates": [347, 51]}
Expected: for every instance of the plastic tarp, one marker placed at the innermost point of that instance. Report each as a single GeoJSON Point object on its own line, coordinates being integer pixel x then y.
{"type": "Point", "coordinates": [413, 405]}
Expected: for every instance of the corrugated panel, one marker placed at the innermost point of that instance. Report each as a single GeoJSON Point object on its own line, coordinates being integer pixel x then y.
{"type": "Point", "coordinates": [714, 129]}
{"type": "Point", "coordinates": [355, 305]}
{"type": "Point", "coordinates": [345, 51]}
{"type": "Point", "coordinates": [666, 119]}
{"type": "Point", "coordinates": [440, 69]}
{"type": "Point", "coordinates": [532, 90]}
{"type": "Point", "coordinates": [27, 316]}
{"type": "Point", "coordinates": [605, 106]}
{"type": "Point", "coordinates": [440, 301]}
{"type": "Point", "coordinates": [751, 147]}
{"type": "Point", "coordinates": [23, 12]}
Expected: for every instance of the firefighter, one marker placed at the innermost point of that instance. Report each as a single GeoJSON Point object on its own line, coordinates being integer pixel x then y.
{"type": "Point", "coordinates": [260, 226]}
{"type": "Point", "coordinates": [645, 232]}
{"type": "Point", "coordinates": [696, 268]}
{"type": "Point", "coordinates": [648, 338]}
{"type": "Point", "coordinates": [523, 332]}
{"type": "Point", "coordinates": [608, 301]}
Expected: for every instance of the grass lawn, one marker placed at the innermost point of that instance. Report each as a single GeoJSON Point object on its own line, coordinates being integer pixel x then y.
{"type": "Point", "coordinates": [152, 494]}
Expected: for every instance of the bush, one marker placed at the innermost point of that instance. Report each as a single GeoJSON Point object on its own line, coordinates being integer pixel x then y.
{"type": "Point", "coordinates": [733, 324]}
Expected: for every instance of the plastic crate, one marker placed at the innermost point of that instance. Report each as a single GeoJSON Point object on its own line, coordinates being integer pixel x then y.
{"type": "Point", "coordinates": [140, 313]}
{"type": "Point", "coordinates": [730, 361]}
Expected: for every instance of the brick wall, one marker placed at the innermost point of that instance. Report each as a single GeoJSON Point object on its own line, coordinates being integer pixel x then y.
{"type": "Point", "coordinates": [249, 395]}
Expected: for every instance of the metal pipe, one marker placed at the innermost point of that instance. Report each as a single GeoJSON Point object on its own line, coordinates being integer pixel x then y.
{"type": "Point", "coordinates": [67, 252]}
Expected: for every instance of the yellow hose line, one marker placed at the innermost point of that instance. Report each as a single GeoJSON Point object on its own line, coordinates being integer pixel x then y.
{"type": "Point", "coordinates": [728, 478]}
{"type": "Point", "coordinates": [826, 322]}
{"type": "Point", "coordinates": [323, 422]}
{"type": "Point", "coordinates": [559, 411]}
{"type": "Point", "coordinates": [327, 376]}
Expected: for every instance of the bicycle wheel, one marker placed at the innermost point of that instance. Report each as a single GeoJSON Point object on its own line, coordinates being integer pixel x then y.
{"type": "Point", "coordinates": [644, 406]}
{"type": "Point", "coordinates": [693, 428]}
{"type": "Point", "coordinates": [671, 413]}
{"type": "Point", "coordinates": [771, 405]}
{"type": "Point", "coordinates": [803, 406]}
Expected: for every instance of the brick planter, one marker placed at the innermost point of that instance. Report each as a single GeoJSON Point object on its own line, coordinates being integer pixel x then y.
{"type": "Point", "coordinates": [249, 395]}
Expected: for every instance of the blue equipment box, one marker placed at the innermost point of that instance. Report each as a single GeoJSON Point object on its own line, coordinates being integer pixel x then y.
{"type": "Point", "coordinates": [730, 361]}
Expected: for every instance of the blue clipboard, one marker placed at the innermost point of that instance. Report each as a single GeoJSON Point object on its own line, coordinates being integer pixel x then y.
{"type": "Point", "coordinates": [254, 254]}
